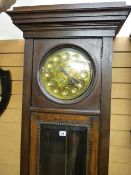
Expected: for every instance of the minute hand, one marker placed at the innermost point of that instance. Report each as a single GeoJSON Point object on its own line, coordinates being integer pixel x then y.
{"type": "Point", "coordinates": [71, 79]}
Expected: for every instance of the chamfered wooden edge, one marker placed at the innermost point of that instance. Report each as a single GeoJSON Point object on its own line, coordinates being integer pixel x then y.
{"type": "Point", "coordinates": [66, 111]}
{"type": "Point", "coordinates": [105, 106]}
{"type": "Point", "coordinates": [25, 137]}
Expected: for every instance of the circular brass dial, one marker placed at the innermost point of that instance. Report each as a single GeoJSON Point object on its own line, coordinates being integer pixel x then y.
{"type": "Point", "coordinates": [65, 73]}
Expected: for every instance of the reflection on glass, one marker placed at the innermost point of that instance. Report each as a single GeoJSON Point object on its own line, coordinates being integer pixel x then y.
{"type": "Point", "coordinates": [63, 150]}
{"type": "Point", "coordinates": [0, 90]}
{"type": "Point", "coordinates": [64, 70]}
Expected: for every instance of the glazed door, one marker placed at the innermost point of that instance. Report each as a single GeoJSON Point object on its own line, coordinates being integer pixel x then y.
{"type": "Point", "coordinates": [63, 149]}
{"type": "Point", "coordinates": [61, 145]}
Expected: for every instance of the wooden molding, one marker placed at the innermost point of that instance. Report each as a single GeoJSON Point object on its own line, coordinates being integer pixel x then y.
{"type": "Point", "coordinates": [41, 21]}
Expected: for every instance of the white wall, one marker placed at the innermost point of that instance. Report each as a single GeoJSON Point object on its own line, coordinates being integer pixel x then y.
{"type": "Point", "coordinates": [9, 31]}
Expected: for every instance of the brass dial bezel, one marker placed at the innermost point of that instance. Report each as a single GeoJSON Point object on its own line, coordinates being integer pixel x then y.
{"type": "Point", "coordinates": [88, 89]}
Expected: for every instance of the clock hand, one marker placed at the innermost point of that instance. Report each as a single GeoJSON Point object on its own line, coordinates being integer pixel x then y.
{"type": "Point", "coordinates": [72, 80]}
{"type": "Point", "coordinates": [64, 71]}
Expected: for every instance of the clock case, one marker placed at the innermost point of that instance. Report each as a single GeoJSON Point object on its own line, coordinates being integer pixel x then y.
{"type": "Point", "coordinates": [91, 27]}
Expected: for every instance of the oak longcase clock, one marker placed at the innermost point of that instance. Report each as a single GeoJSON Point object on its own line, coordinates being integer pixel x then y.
{"type": "Point", "coordinates": [67, 86]}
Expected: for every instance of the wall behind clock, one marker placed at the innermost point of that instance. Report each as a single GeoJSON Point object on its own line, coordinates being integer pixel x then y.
{"type": "Point", "coordinates": [11, 57]}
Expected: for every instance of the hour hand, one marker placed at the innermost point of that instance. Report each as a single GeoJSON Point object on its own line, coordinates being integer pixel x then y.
{"type": "Point", "coordinates": [64, 71]}
{"type": "Point", "coordinates": [74, 81]}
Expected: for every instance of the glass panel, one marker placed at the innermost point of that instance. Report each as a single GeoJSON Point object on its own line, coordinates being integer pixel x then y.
{"type": "Point", "coordinates": [65, 73]}
{"type": "Point", "coordinates": [76, 151]}
{"type": "Point", "coordinates": [63, 150]}
{"type": "Point", "coordinates": [0, 90]}
{"type": "Point", "coordinates": [52, 151]}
